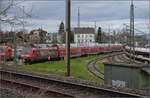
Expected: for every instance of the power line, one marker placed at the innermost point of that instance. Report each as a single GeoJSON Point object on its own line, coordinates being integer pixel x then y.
{"type": "Point", "coordinates": [81, 0]}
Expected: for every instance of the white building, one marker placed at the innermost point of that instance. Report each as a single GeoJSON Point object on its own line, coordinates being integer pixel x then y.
{"type": "Point", "coordinates": [51, 38]}
{"type": "Point", "coordinates": [84, 35]}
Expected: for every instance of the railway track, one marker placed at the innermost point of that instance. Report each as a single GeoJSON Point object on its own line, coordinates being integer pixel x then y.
{"type": "Point", "coordinates": [122, 58]}
{"type": "Point", "coordinates": [93, 68]}
{"type": "Point", "coordinates": [26, 91]}
{"type": "Point", "coordinates": [64, 87]}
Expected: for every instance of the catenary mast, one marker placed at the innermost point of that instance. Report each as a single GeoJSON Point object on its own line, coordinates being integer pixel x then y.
{"type": "Point", "coordinates": [68, 31]}
{"type": "Point", "coordinates": [132, 38]}
{"type": "Point", "coordinates": [79, 15]}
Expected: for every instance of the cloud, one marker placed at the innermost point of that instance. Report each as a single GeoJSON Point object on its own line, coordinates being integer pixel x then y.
{"type": "Point", "coordinates": [49, 14]}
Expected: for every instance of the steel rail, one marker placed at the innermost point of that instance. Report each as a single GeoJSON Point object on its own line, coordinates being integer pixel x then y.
{"type": "Point", "coordinates": [100, 90]}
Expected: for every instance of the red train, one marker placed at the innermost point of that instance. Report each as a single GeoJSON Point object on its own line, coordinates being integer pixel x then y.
{"type": "Point", "coordinates": [5, 53]}
{"type": "Point", "coordinates": [40, 54]}
{"type": "Point", "coordinates": [57, 52]}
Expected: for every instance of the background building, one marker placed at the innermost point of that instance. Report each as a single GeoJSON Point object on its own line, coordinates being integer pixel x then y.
{"type": "Point", "coordinates": [51, 38]}
{"type": "Point", "coordinates": [61, 33]}
{"type": "Point", "coordinates": [38, 36]}
{"type": "Point", "coordinates": [84, 35]}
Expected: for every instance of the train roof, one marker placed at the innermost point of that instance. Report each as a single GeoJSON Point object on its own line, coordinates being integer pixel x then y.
{"type": "Point", "coordinates": [143, 49]}
{"type": "Point", "coordinates": [89, 45]}
{"type": "Point", "coordinates": [147, 50]}
{"type": "Point", "coordinates": [4, 46]}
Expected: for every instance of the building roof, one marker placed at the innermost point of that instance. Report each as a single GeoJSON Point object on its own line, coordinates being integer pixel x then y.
{"type": "Point", "coordinates": [38, 30]}
{"type": "Point", "coordinates": [147, 70]}
{"type": "Point", "coordinates": [84, 30]}
{"type": "Point", "coordinates": [125, 65]}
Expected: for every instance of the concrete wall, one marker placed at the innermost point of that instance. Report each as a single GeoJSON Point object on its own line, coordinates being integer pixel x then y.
{"type": "Point", "coordinates": [122, 76]}
{"type": "Point", "coordinates": [145, 82]}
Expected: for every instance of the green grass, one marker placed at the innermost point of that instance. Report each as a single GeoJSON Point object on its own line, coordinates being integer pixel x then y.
{"type": "Point", "coordinates": [78, 68]}
{"type": "Point", "coordinates": [101, 66]}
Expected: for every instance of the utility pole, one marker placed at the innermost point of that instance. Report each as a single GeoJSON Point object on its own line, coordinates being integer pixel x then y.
{"type": "Point", "coordinates": [109, 31]}
{"type": "Point", "coordinates": [68, 31]}
{"type": "Point", "coordinates": [132, 38]}
{"type": "Point", "coordinates": [0, 11]}
{"type": "Point", "coordinates": [149, 35]}
{"type": "Point", "coordinates": [23, 26]}
{"type": "Point", "coordinates": [95, 26]}
{"type": "Point", "coordinates": [14, 43]}
{"type": "Point", "coordinates": [79, 15]}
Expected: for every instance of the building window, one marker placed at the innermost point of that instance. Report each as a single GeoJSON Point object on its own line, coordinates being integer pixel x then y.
{"type": "Point", "coordinates": [82, 36]}
{"type": "Point", "coordinates": [86, 36]}
{"type": "Point", "coordinates": [78, 35]}
{"type": "Point", "coordinates": [78, 41]}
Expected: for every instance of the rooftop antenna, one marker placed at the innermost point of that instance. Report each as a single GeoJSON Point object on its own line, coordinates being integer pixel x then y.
{"type": "Point", "coordinates": [79, 15]}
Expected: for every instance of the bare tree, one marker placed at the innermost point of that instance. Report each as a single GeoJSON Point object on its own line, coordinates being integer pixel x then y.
{"type": "Point", "coordinates": [4, 12]}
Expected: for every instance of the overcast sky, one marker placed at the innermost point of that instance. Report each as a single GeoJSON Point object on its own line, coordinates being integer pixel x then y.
{"type": "Point", "coordinates": [49, 13]}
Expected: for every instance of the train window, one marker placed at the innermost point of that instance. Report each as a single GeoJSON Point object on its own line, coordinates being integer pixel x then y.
{"type": "Point", "coordinates": [1, 49]}
{"type": "Point", "coordinates": [51, 52]}
{"type": "Point", "coordinates": [42, 53]}
{"type": "Point", "coordinates": [38, 53]}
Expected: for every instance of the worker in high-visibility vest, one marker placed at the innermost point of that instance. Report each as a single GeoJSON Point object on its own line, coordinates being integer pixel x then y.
{"type": "Point", "coordinates": [49, 58]}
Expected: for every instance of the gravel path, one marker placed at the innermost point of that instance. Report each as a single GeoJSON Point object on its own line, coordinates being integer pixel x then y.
{"type": "Point", "coordinates": [4, 93]}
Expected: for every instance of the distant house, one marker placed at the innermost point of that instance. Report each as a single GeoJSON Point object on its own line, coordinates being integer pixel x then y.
{"type": "Point", "coordinates": [38, 36]}
{"type": "Point", "coordinates": [84, 35]}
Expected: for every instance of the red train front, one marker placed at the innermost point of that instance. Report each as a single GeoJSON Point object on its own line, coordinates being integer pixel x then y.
{"type": "Point", "coordinates": [40, 54]}
{"type": "Point", "coordinates": [5, 53]}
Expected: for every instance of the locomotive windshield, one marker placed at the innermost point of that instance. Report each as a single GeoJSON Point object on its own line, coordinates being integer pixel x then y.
{"type": "Point", "coordinates": [1, 49]}
{"type": "Point", "coordinates": [25, 50]}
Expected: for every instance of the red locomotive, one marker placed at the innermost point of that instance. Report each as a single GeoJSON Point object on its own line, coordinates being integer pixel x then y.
{"type": "Point", "coordinates": [5, 53]}
{"type": "Point", "coordinates": [40, 54]}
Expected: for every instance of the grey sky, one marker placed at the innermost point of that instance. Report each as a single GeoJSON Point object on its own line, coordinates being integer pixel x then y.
{"type": "Point", "coordinates": [49, 14]}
